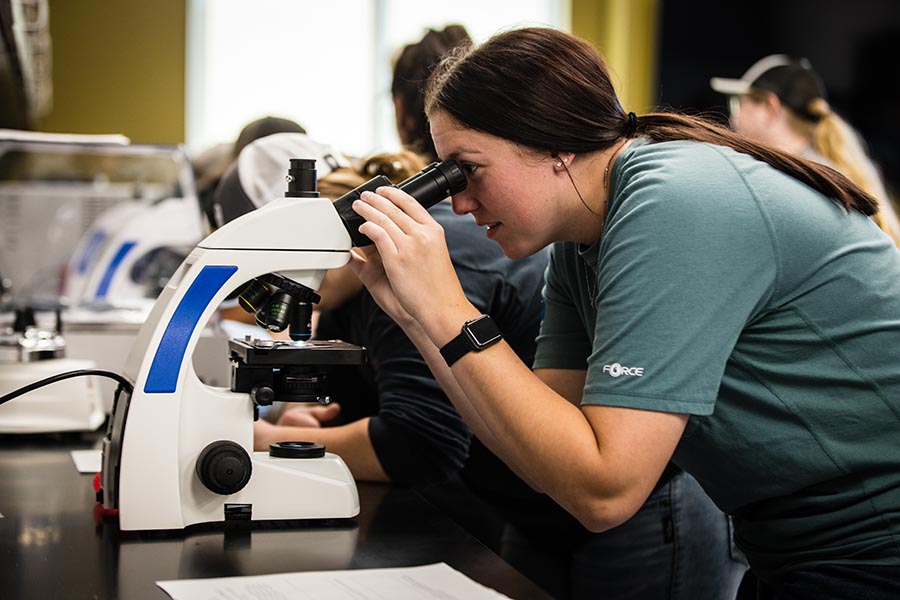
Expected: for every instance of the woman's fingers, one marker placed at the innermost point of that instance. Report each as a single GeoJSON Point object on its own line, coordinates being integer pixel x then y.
{"type": "Point", "coordinates": [398, 206]}
{"type": "Point", "coordinates": [409, 205]}
{"type": "Point", "coordinates": [379, 227]}
{"type": "Point", "coordinates": [391, 209]}
{"type": "Point", "coordinates": [412, 259]}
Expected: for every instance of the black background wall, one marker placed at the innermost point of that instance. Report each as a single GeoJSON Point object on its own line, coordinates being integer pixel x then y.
{"type": "Point", "coordinates": [853, 44]}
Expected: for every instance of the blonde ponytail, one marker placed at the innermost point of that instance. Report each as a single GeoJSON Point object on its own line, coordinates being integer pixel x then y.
{"type": "Point", "coordinates": [834, 139]}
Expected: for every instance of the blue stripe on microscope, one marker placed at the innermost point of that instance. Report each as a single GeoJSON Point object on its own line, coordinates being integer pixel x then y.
{"type": "Point", "coordinates": [163, 377]}
{"type": "Point", "coordinates": [90, 249]}
{"type": "Point", "coordinates": [121, 253]}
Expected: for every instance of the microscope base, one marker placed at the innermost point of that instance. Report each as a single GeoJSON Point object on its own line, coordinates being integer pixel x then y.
{"type": "Point", "coordinates": [279, 489]}
{"type": "Point", "coordinates": [303, 488]}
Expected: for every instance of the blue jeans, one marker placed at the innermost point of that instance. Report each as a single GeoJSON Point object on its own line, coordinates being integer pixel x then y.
{"type": "Point", "coordinates": [860, 582]}
{"type": "Point", "coordinates": [677, 547]}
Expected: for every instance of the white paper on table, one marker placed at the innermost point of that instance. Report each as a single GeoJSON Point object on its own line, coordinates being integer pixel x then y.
{"type": "Point", "coordinates": [438, 581]}
{"type": "Point", "coordinates": [87, 461]}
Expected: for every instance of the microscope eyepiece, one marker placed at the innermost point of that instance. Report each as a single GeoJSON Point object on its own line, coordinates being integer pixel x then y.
{"type": "Point", "coordinates": [301, 179]}
{"type": "Point", "coordinates": [429, 186]}
{"type": "Point", "coordinates": [435, 182]}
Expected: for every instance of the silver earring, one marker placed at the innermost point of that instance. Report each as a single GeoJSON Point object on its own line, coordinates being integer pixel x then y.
{"type": "Point", "coordinates": [559, 163]}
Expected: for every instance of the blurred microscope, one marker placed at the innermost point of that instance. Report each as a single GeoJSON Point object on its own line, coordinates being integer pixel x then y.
{"type": "Point", "coordinates": [91, 228]}
{"type": "Point", "coordinates": [29, 354]}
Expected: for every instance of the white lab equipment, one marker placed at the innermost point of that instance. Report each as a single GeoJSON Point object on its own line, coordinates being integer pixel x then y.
{"type": "Point", "coordinates": [178, 452]}
{"type": "Point", "coordinates": [68, 202]}
{"type": "Point", "coordinates": [129, 248]}
{"type": "Point", "coordinates": [29, 354]}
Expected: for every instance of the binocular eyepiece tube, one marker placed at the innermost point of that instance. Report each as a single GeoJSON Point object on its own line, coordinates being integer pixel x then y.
{"type": "Point", "coordinates": [279, 303]}
{"type": "Point", "coordinates": [429, 186]}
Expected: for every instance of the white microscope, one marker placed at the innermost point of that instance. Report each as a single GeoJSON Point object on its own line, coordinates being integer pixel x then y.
{"type": "Point", "coordinates": [178, 452]}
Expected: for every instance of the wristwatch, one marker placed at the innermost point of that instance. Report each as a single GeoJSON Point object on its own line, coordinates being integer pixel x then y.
{"type": "Point", "coordinates": [476, 335]}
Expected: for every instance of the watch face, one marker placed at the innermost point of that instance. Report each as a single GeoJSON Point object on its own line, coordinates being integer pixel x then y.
{"type": "Point", "coordinates": [483, 332]}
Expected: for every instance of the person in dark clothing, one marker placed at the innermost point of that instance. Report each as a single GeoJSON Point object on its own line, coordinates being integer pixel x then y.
{"type": "Point", "coordinates": [412, 432]}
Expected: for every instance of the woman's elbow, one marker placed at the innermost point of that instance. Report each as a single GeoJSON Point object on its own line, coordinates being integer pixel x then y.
{"type": "Point", "coordinates": [601, 514]}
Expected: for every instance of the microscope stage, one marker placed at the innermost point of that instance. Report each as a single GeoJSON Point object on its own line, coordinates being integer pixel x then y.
{"type": "Point", "coordinates": [309, 353]}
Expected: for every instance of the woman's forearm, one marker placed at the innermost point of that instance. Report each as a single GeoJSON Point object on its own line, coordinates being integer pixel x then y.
{"type": "Point", "coordinates": [457, 396]}
{"type": "Point", "coordinates": [351, 442]}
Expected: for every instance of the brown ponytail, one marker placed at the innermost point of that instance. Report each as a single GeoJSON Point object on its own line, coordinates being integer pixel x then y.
{"type": "Point", "coordinates": [550, 91]}
{"type": "Point", "coordinates": [665, 127]}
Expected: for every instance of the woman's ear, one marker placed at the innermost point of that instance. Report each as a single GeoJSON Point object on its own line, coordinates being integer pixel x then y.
{"type": "Point", "coordinates": [561, 161]}
{"type": "Point", "coordinates": [773, 105]}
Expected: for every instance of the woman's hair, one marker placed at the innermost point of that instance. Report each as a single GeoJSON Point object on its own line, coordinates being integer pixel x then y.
{"type": "Point", "coordinates": [396, 166]}
{"type": "Point", "coordinates": [551, 92]}
{"type": "Point", "coordinates": [834, 138]}
{"type": "Point", "coordinates": [411, 71]}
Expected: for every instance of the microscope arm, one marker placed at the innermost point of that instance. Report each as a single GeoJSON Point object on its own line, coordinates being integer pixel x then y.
{"type": "Point", "coordinates": [157, 434]}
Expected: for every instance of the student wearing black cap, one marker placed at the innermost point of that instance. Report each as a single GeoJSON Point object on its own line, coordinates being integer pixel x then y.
{"type": "Point", "coordinates": [781, 101]}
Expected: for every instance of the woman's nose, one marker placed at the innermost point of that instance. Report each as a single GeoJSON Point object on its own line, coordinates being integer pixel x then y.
{"type": "Point", "coordinates": [463, 203]}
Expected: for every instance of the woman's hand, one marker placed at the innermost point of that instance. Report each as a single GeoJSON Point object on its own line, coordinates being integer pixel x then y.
{"type": "Point", "coordinates": [412, 269]}
{"type": "Point", "coordinates": [264, 433]}
{"type": "Point", "coordinates": [309, 415]}
{"type": "Point", "coordinates": [366, 264]}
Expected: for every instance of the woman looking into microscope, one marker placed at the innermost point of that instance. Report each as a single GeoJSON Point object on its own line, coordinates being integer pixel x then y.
{"type": "Point", "coordinates": [709, 301]}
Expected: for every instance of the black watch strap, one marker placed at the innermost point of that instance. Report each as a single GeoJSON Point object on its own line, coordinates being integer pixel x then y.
{"type": "Point", "coordinates": [476, 335]}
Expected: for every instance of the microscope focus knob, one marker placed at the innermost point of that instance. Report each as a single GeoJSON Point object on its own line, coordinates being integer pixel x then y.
{"type": "Point", "coordinates": [224, 467]}
{"type": "Point", "coordinates": [262, 395]}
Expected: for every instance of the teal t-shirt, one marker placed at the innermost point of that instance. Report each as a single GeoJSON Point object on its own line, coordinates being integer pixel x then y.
{"type": "Point", "coordinates": [728, 291]}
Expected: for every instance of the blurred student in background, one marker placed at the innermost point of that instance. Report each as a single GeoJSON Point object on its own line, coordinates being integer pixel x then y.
{"type": "Point", "coordinates": [411, 69]}
{"type": "Point", "coordinates": [211, 165]}
{"type": "Point", "coordinates": [781, 101]}
{"type": "Point", "coordinates": [256, 177]}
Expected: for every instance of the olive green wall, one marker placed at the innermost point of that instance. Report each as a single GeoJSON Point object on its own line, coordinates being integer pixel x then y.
{"type": "Point", "coordinates": [625, 32]}
{"type": "Point", "coordinates": [118, 67]}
